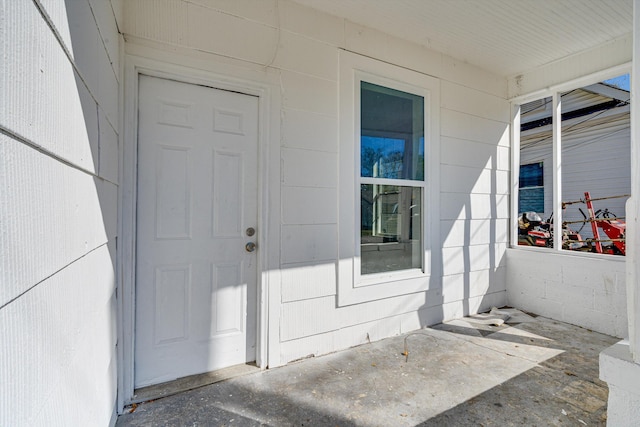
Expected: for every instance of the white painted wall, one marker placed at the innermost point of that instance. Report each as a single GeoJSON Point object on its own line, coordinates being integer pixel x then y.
{"type": "Point", "coordinates": [633, 204]}
{"type": "Point", "coordinates": [622, 375]}
{"type": "Point", "coordinates": [59, 173]}
{"type": "Point", "coordinates": [302, 47]}
{"type": "Point", "coordinates": [620, 363]}
{"type": "Point", "coordinates": [582, 289]}
{"type": "Point", "coordinates": [58, 212]}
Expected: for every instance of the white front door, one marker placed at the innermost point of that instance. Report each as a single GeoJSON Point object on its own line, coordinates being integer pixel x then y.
{"type": "Point", "coordinates": [196, 212]}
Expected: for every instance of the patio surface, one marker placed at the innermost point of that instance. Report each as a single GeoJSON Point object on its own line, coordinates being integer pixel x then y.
{"type": "Point", "coordinates": [531, 371]}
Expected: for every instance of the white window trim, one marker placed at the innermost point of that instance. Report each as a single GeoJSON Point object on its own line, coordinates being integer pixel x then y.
{"type": "Point", "coordinates": [352, 287]}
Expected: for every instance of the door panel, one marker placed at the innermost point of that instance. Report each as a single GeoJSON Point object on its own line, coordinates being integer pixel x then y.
{"type": "Point", "coordinates": [173, 201]}
{"type": "Point", "coordinates": [197, 194]}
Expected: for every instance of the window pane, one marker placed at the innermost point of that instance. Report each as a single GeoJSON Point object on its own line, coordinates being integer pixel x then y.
{"type": "Point", "coordinates": [531, 175]}
{"type": "Point", "coordinates": [596, 163]}
{"type": "Point", "coordinates": [535, 198]}
{"type": "Point", "coordinates": [390, 228]}
{"type": "Point", "coordinates": [531, 194]}
{"type": "Point", "coordinates": [531, 199]}
{"type": "Point", "coordinates": [392, 133]}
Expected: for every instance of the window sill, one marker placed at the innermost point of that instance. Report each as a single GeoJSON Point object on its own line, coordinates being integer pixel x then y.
{"type": "Point", "coordinates": [567, 253]}
{"type": "Point", "coordinates": [389, 277]}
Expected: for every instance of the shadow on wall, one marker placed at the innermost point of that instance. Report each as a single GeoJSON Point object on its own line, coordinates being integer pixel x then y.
{"type": "Point", "coordinates": [89, 33]}
{"type": "Point", "coordinates": [474, 207]}
{"type": "Point", "coordinates": [468, 267]}
{"type": "Point", "coordinates": [468, 255]}
{"type": "Point", "coordinates": [59, 172]}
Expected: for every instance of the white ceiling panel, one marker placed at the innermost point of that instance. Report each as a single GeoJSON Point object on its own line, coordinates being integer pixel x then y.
{"type": "Point", "coordinates": [503, 36]}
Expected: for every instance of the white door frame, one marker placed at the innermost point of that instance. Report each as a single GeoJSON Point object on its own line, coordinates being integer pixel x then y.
{"type": "Point", "coordinates": [268, 200]}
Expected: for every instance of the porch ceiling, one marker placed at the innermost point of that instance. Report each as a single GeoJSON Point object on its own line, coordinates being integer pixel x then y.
{"type": "Point", "coordinates": [506, 37]}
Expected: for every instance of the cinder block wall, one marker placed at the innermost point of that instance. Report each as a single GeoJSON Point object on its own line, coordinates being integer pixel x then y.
{"type": "Point", "coordinates": [58, 212]}
{"type": "Point", "coordinates": [582, 290]}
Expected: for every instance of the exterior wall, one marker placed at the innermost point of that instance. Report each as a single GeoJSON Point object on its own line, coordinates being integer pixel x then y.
{"type": "Point", "coordinates": [622, 375]}
{"type": "Point", "coordinates": [587, 290]}
{"type": "Point", "coordinates": [620, 363]}
{"type": "Point", "coordinates": [633, 204]}
{"type": "Point", "coordinates": [58, 210]}
{"type": "Point", "coordinates": [584, 290]}
{"type": "Point", "coordinates": [301, 47]}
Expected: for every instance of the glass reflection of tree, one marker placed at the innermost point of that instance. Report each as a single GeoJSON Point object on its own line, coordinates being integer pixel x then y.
{"type": "Point", "coordinates": [392, 176]}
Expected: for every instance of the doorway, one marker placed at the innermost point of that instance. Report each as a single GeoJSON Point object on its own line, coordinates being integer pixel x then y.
{"type": "Point", "coordinates": [196, 237]}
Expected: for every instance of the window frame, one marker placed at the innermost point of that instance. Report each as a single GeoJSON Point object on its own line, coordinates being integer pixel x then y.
{"type": "Point", "coordinates": [354, 287]}
{"type": "Point", "coordinates": [555, 93]}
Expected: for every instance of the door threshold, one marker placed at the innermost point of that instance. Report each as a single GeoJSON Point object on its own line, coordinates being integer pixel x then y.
{"type": "Point", "coordinates": [158, 391]}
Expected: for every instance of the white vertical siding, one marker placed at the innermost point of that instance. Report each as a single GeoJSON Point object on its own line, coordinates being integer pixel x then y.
{"type": "Point", "coordinates": [58, 210]}
{"type": "Point", "coordinates": [303, 46]}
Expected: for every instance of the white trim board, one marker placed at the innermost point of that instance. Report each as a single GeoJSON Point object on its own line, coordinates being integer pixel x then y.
{"type": "Point", "coordinates": [585, 80]}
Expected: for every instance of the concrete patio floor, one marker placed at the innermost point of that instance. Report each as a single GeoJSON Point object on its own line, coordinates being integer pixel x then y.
{"type": "Point", "coordinates": [530, 371]}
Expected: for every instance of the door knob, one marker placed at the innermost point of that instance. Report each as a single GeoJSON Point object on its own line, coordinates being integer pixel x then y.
{"type": "Point", "coordinates": [250, 247]}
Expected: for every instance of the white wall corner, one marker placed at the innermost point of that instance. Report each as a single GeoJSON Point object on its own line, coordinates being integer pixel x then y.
{"type": "Point", "coordinates": [117, 6]}
{"type": "Point", "coordinates": [623, 377]}
{"type": "Point", "coordinates": [633, 229]}
{"type": "Point", "coordinates": [632, 265]}
{"type": "Point", "coordinates": [619, 364]}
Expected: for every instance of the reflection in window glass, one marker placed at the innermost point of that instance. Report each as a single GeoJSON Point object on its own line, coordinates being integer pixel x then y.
{"type": "Point", "coordinates": [535, 195]}
{"type": "Point", "coordinates": [531, 194]}
{"type": "Point", "coordinates": [392, 133]}
{"type": "Point", "coordinates": [390, 228]}
{"type": "Point", "coordinates": [391, 148]}
{"type": "Point", "coordinates": [596, 167]}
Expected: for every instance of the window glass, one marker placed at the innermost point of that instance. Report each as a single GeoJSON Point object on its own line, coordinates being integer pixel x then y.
{"type": "Point", "coordinates": [596, 167]}
{"type": "Point", "coordinates": [392, 133]}
{"type": "Point", "coordinates": [531, 197]}
{"type": "Point", "coordinates": [391, 149]}
{"type": "Point", "coordinates": [535, 195]}
{"type": "Point", "coordinates": [390, 228]}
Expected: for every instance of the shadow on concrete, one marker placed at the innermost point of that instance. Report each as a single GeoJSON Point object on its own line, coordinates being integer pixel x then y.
{"type": "Point", "coordinates": [541, 396]}
{"type": "Point", "coordinates": [231, 403]}
{"type": "Point", "coordinates": [449, 378]}
{"type": "Point", "coordinates": [545, 333]}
